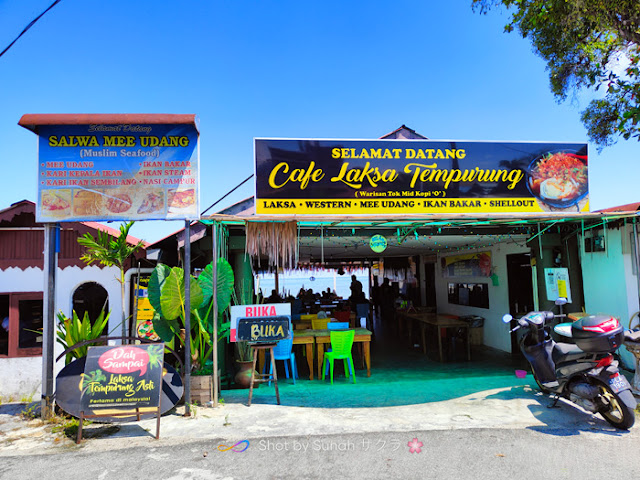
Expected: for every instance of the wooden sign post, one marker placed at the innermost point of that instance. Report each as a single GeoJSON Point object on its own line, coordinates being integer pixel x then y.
{"type": "Point", "coordinates": [122, 378]}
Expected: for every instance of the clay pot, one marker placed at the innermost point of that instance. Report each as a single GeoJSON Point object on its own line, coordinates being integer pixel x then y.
{"type": "Point", "coordinates": [243, 378]}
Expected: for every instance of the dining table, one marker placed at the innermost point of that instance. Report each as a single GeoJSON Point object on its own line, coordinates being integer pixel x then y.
{"type": "Point", "coordinates": [437, 321]}
{"type": "Point", "coordinates": [319, 338]}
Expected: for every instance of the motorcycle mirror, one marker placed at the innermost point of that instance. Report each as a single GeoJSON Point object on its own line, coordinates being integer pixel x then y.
{"type": "Point", "coordinates": [507, 318]}
{"type": "Point", "coordinates": [561, 301]}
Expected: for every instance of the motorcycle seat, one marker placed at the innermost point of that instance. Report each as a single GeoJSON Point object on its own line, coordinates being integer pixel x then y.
{"type": "Point", "coordinates": [565, 352]}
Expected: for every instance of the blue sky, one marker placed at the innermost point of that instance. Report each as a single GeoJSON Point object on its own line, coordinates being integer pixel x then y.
{"type": "Point", "coordinates": [326, 69]}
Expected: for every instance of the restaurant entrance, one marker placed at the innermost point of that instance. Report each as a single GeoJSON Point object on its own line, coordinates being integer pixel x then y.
{"type": "Point", "coordinates": [519, 274]}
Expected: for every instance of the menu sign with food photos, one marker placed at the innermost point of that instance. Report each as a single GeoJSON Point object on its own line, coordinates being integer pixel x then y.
{"type": "Point", "coordinates": [118, 172]}
{"type": "Point", "coordinates": [400, 177]}
{"type": "Point", "coordinates": [122, 376]}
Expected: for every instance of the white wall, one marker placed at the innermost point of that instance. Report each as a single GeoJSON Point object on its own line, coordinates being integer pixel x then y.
{"type": "Point", "coordinates": [496, 333]}
{"type": "Point", "coordinates": [609, 285]}
{"type": "Point", "coordinates": [22, 377]}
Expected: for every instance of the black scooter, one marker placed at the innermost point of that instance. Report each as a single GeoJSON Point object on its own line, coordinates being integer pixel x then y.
{"type": "Point", "coordinates": [584, 373]}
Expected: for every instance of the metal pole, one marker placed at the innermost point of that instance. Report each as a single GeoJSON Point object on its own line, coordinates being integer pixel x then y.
{"type": "Point", "coordinates": [636, 242]}
{"type": "Point", "coordinates": [215, 378]}
{"type": "Point", "coordinates": [48, 321]}
{"type": "Point", "coordinates": [187, 317]}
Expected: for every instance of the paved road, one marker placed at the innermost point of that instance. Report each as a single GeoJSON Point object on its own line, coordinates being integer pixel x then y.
{"type": "Point", "coordinates": [526, 453]}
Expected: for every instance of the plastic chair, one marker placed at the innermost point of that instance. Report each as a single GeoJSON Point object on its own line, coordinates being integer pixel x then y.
{"type": "Point", "coordinates": [338, 325]}
{"type": "Point", "coordinates": [319, 323]}
{"type": "Point", "coordinates": [341, 343]}
{"type": "Point", "coordinates": [283, 351]}
{"type": "Point", "coordinates": [296, 306]}
{"type": "Point", "coordinates": [362, 311]}
{"type": "Point", "coordinates": [342, 316]}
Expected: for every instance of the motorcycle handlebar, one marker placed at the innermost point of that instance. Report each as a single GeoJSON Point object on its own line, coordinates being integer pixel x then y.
{"type": "Point", "coordinates": [536, 318]}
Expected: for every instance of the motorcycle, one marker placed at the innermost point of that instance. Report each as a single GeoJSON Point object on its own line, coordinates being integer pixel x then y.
{"type": "Point", "coordinates": [585, 373]}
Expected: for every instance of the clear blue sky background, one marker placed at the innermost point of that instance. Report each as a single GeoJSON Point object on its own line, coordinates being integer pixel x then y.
{"type": "Point", "coordinates": [328, 69]}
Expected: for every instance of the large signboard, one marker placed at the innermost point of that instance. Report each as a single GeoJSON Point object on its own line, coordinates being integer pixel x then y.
{"type": "Point", "coordinates": [123, 376]}
{"type": "Point", "coordinates": [345, 177]}
{"type": "Point", "coordinates": [117, 172]}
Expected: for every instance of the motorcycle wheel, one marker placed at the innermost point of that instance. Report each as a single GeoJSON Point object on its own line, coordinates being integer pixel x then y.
{"type": "Point", "coordinates": [542, 388]}
{"type": "Point", "coordinates": [619, 409]}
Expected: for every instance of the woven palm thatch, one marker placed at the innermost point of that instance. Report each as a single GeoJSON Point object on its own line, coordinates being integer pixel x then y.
{"type": "Point", "coordinates": [275, 240]}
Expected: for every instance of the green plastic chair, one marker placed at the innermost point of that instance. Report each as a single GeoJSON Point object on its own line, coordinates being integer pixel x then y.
{"type": "Point", "coordinates": [341, 343]}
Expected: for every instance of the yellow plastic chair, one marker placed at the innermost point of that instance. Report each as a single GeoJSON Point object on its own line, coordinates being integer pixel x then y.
{"type": "Point", "coordinates": [341, 343]}
{"type": "Point", "coordinates": [319, 323]}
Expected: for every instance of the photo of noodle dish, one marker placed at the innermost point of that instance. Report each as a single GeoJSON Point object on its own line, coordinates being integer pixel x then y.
{"type": "Point", "coordinates": [558, 179]}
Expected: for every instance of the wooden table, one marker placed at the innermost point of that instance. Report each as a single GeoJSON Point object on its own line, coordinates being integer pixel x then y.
{"type": "Point", "coordinates": [438, 321]}
{"type": "Point", "coordinates": [576, 315]}
{"type": "Point", "coordinates": [362, 335]}
{"type": "Point", "coordinates": [300, 337]}
{"type": "Point", "coordinates": [310, 337]}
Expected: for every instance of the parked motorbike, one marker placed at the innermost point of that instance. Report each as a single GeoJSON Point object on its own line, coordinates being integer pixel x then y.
{"type": "Point", "coordinates": [585, 373]}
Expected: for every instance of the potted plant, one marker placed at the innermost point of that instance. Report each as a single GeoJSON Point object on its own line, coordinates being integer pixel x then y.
{"type": "Point", "coordinates": [244, 357]}
{"type": "Point", "coordinates": [72, 331]}
{"type": "Point", "coordinates": [167, 297]}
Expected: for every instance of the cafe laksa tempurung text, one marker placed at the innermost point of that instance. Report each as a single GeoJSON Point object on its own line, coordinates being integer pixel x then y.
{"type": "Point", "coordinates": [400, 177]}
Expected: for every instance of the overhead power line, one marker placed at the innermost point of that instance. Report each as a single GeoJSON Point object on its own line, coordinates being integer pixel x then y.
{"type": "Point", "coordinates": [31, 24]}
{"type": "Point", "coordinates": [228, 193]}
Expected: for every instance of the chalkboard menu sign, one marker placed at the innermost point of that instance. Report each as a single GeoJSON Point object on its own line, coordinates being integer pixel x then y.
{"type": "Point", "coordinates": [122, 376]}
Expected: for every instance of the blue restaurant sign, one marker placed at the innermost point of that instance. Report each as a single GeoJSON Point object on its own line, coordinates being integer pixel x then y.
{"type": "Point", "coordinates": [399, 177]}
{"type": "Point", "coordinates": [118, 172]}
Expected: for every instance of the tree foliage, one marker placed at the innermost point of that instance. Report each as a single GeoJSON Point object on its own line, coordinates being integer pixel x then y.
{"type": "Point", "coordinates": [592, 44]}
{"type": "Point", "coordinates": [111, 252]}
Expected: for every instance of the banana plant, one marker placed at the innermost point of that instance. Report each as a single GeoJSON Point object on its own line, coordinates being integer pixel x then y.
{"type": "Point", "coordinates": [73, 330]}
{"type": "Point", "coordinates": [167, 297]}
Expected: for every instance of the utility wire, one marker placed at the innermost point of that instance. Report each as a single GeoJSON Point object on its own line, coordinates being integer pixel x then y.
{"type": "Point", "coordinates": [29, 26]}
{"type": "Point", "coordinates": [228, 193]}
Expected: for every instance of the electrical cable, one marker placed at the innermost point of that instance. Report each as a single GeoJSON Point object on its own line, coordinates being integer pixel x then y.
{"type": "Point", "coordinates": [31, 24]}
{"type": "Point", "coordinates": [228, 193]}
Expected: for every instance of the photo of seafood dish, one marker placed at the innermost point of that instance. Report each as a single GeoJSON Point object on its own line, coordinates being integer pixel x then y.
{"type": "Point", "coordinates": [118, 202]}
{"type": "Point", "coordinates": [179, 200]}
{"type": "Point", "coordinates": [56, 203]}
{"type": "Point", "coordinates": [145, 331]}
{"type": "Point", "coordinates": [153, 202]}
{"type": "Point", "coordinates": [87, 202]}
{"type": "Point", "coordinates": [559, 179]}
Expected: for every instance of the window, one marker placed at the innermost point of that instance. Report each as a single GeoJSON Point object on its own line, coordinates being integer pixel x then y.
{"type": "Point", "coordinates": [21, 327]}
{"type": "Point", "coordinates": [469, 294]}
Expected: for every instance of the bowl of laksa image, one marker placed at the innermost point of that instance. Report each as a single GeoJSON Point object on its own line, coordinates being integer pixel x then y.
{"type": "Point", "coordinates": [558, 179]}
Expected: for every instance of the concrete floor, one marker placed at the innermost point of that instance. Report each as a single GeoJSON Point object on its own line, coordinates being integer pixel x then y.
{"type": "Point", "coordinates": [400, 375]}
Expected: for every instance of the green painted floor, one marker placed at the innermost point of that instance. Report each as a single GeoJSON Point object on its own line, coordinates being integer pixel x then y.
{"type": "Point", "coordinates": [400, 375]}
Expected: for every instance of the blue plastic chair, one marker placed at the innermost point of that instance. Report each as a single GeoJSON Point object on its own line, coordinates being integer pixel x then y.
{"type": "Point", "coordinates": [283, 351]}
{"type": "Point", "coordinates": [338, 325]}
{"type": "Point", "coordinates": [362, 311]}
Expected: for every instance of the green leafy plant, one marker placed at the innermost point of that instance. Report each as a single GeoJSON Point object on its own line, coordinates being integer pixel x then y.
{"type": "Point", "coordinates": [72, 331]}
{"type": "Point", "coordinates": [110, 252]}
{"type": "Point", "coordinates": [167, 296]}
